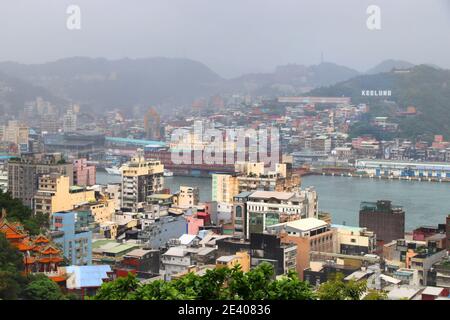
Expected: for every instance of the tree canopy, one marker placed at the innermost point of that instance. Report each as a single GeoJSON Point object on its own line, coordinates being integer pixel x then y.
{"type": "Point", "coordinates": [11, 264]}
{"type": "Point", "coordinates": [40, 287]}
{"type": "Point", "coordinates": [338, 289]}
{"type": "Point", "coordinates": [216, 284]}
{"type": "Point", "coordinates": [16, 211]}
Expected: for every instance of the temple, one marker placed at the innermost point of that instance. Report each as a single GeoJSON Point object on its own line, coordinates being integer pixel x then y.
{"type": "Point", "coordinates": [39, 254]}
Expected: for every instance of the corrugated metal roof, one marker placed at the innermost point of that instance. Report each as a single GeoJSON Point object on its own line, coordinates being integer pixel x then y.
{"type": "Point", "coordinates": [120, 248]}
{"type": "Point", "coordinates": [86, 276]}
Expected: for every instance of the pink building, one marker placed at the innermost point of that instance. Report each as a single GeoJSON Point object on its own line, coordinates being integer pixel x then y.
{"type": "Point", "coordinates": [83, 174]}
{"type": "Point", "coordinates": [194, 224]}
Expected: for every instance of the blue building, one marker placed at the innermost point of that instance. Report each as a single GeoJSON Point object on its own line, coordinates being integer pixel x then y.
{"type": "Point", "coordinates": [75, 241]}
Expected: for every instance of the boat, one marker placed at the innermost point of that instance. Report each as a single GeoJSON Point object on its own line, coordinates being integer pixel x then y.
{"type": "Point", "coordinates": [168, 173]}
{"type": "Point", "coordinates": [113, 171]}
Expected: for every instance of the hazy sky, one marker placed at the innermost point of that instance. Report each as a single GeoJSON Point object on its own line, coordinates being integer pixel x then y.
{"type": "Point", "coordinates": [230, 36]}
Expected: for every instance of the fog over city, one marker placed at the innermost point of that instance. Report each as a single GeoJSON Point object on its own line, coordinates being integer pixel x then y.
{"type": "Point", "coordinates": [241, 153]}
{"type": "Point", "coordinates": [231, 37]}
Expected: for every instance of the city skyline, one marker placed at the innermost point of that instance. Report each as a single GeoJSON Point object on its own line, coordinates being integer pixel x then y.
{"type": "Point", "coordinates": [246, 152]}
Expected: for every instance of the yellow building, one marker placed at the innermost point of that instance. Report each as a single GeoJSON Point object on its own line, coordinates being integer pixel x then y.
{"type": "Point", "coordinates": [187, 197]}
{"type": "Point", "coordinates": [250, 168]}
{"type": "Point", "coordinates": [240, 258]}
{"type": "Point", "coordinates": [102, 210]}
{"type": "Point", "coordinates": [224, 187]}
{"type": "Point", "coordinates": [55, 194]}
{"type": "Point", "coordinates": [109, 229]}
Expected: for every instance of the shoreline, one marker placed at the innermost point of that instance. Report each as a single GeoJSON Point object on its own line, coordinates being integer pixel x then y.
{"type": "Point", "coordinates": [361, 176]}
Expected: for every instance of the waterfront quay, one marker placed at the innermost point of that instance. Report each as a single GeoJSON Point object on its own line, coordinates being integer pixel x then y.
{"type": "Point", "coordinates": [389, 170]}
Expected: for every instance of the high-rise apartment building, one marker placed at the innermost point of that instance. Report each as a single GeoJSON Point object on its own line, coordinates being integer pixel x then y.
{"type": "Point", "coordinates": [224, 187]}
{"type": "Point", "coordinates": [383, 218]}
{"type": "Point", "coordinates": [70, 120]}
{"type": "Point", "coordinates": [24, 173]}
{"type": "Point", "coordinates": [140, 179]}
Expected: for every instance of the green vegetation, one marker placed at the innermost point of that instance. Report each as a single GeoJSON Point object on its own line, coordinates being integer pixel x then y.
{"type": "Point", "coordinates": [11, 265]}
{"type": "Point", "coordinates": [376, 295]}
{"type": "Point", "coordinates": [233, 284]}
{"type": "Point", "coordinates": [40, 287]}
{"type": "Point", "coordinates": [217, 284]}
{"type": "Point", "coordinates": [338, 289]}
{"type": "Point", "coordinates": [362, 128]}
{"type": "Point", "coordinates": [16, 211]}
{"type": "Point", "coordinates": [14, 285]}
{"type": "Point", "coordinates": [426, 88]}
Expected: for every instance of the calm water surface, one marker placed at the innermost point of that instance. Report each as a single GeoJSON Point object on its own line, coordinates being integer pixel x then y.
{"type": "Point", "coordinates": [425, 203]}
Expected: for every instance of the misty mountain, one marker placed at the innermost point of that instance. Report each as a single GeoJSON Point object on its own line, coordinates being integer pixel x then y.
{"type": "Point", "coordinates": [291, 79]}
{"type": "Point", "coordinates": [104, 84]}
{"type": "Point", "coordinates": [101, 84]}
{"type": "Point", "coordinates": [15, 93]}
{"type": "Point", "coordinates": [388, 65]}
{"type": "Point", "coordinates": [423, 86]}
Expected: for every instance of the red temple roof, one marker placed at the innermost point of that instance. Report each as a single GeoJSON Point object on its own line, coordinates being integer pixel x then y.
{"type": "Point", "coordinates": [35, 250]}
{"type": "Point", "coordinates": [29, 260]}
{"type": "Point", "coordinates": [50, 259]}
{"type": "Point", "coordinates": [11, 230]}
{"type": "Point", "coordinates": [49, 250]}
{"type": "Point", "coordinates": [25, 245]}
{"type": "Point", "coordinates": [41, 239]}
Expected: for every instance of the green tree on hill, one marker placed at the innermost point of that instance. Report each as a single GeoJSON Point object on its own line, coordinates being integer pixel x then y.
{"type": "Point", "coordinates": [40, 287]}
{"type": "Point", "coordinates": [11, 264]}
{"type": "Point", "coordinates": [16, 211]}
{"type": "Point", "coordinates": [338, 289]}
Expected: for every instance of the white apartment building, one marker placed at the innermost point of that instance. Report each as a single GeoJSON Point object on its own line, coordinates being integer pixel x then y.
{"type": "Point", "coordinates": [140, 179]}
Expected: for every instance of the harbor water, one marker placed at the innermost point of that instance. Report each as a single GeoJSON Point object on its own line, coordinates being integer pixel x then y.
{"type": "Point", "coordinates": [425, 203]}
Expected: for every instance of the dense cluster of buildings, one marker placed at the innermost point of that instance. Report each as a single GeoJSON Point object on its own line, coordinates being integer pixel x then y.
{"type": "Point", "coordinates": [257, 213]}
